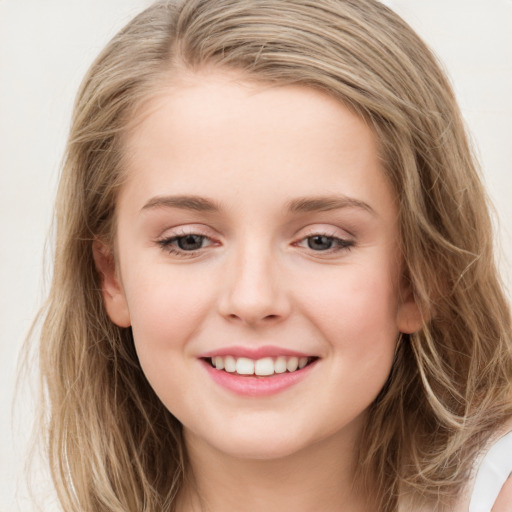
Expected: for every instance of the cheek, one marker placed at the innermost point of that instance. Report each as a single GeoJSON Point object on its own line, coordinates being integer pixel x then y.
{"type": "Point", "coordinates": [165, 318]}
{"type": "Point", "coordinates": [358, 302]}
{"type": "Point", "coordinates": [165, 308]}
{"type": "Point", "coordinates": [356, 314]}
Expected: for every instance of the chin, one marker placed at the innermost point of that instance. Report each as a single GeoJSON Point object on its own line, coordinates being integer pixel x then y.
{"type": "Point", "coordinates": [250, 444]}
{"type": "Point", "coordinates": [266, 450]}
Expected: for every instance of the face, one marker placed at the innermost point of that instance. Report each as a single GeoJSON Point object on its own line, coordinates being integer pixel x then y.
{"type": "Point", "coordinates": [258, 264]}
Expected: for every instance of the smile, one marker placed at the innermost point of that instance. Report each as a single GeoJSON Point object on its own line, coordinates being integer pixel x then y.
{"type": "Point", "coordinates": [258, 376]}
{"type": "Point", "coordinates": [263, 367]}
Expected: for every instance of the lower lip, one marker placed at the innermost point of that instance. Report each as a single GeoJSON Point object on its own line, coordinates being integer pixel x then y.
{"type": "Point", "coordinates": [248, 385]}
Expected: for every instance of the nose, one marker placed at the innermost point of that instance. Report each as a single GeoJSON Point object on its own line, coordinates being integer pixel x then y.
{"type": "Point", "coordinates": [254, 293]}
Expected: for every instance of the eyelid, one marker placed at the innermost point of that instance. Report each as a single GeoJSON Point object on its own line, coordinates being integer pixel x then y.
{"type": "Point", "coordinates": [342, 243]}
{"type": "Point", "coordinates": [186, 229]}
{"type": "Point", "coordinates": [325, 230]}
{"type": "Point", "coordinates": [166, 239]}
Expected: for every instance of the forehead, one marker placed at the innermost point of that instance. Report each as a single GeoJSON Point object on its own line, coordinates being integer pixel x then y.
{"type": "Point", "coordinates": [219, 130]}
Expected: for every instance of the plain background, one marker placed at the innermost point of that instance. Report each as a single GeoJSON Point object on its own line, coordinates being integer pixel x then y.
{"type": "Point", "coordinates": [46, 47]}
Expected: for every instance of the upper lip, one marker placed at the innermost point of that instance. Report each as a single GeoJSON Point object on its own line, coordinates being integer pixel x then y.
{"type": "Point", "coordinates": [254, 352]}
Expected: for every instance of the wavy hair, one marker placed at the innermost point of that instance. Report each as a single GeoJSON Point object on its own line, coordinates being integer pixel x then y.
{"type": "Point", "coordinates": [112, 444]}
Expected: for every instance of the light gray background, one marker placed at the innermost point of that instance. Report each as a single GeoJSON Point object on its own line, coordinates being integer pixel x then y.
{"type": "Point", "coordinates": [46, 47]}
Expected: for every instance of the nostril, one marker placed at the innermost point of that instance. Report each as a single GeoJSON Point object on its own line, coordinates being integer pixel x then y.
{"type": "Point", "coordinates": [267, 318]}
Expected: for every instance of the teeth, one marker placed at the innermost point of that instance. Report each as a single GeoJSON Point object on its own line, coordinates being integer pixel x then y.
{"type": "Point", "coordinates": [230, 364]}
{"type": "Point", "coordinates": [280, 364]}
{"type": "Point", "coordinates": [292, 364]}
{"type": "Point", "coordinates": [263, 367]}
{"type": "Point", "coordinates": [244, 366]}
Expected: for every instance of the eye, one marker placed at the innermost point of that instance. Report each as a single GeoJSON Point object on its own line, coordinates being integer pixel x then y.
{"type": "Point", "coordinates": [325, 243]}
{"type": "Point", "coordinates": [186, 244]}
{"type": "Point", "coordinates": [190, 242]}
{"type": "Point", "coordinates": [320, 242]}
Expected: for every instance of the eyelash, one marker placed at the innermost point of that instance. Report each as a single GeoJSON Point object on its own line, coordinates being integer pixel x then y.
{"type": "Point", "coordinates": [339, 244]}
{"type": "Point", "coordinates": [167, 245]}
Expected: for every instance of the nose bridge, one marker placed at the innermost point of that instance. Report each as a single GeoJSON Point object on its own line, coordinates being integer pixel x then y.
{"type": "Point", "coordinates": [254, 291]}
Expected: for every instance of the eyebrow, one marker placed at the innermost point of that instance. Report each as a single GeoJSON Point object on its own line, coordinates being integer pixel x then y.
{"type": "Point", "coordinates": [196, 203]}
{"type": "Point", "coordinates": [298, 205]}
{"type": "Point", "coordinates": [327, 203]}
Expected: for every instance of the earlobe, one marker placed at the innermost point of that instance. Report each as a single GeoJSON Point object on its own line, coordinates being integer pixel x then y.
{"type": "Point", "coordinates": [408, 317]}
{"type": "Point", "coordinates": [111, 287]}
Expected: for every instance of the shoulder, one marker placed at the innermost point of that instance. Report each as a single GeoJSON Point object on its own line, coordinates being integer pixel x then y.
{"type": "Point", "coordinates": [490, 489]}
{"type": "Point", "coordinates": [504, 501]}
{"type": "Point", "coordinates": [493, 487]}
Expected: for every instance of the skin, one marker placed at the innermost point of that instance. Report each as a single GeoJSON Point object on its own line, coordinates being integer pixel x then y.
{"type": "Point", "coordinates": [251, 150]}
{"type": "Point", "coordinates": [504, 500]}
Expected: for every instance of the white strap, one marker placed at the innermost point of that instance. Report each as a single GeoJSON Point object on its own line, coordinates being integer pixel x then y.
{"type": "Point", "coordinates": [494, 470]}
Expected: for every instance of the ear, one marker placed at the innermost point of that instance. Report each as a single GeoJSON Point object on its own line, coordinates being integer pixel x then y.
{"type": "Point", "coordinates": [111, 287]}
{"type": "Point", "coordinates": [408, 316]}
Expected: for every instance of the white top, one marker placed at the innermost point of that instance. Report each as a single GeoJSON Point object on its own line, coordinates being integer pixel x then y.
{"type": "Point", "coordinates": [494, 470]}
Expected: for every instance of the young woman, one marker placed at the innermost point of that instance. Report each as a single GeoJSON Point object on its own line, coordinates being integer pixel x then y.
{"type": "Point", "coordinates": [274, 283]}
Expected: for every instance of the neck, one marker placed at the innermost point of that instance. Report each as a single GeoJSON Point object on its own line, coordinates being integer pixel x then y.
{"type": "Point", "coordinates": [319, 477]}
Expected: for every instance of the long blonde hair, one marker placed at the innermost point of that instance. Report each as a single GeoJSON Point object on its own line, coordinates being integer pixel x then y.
{"type": "Point", "coordinates": [112, 444]}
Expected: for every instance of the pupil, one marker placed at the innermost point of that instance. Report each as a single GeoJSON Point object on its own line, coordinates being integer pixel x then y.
{"type": "Point", "coordinates": [320, 242]}
{"type": "Point", "coordinates": [190, 242]}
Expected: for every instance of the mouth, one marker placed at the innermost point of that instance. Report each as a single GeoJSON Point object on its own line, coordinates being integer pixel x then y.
{"type": "Point", "coordinates": [263, 367]}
